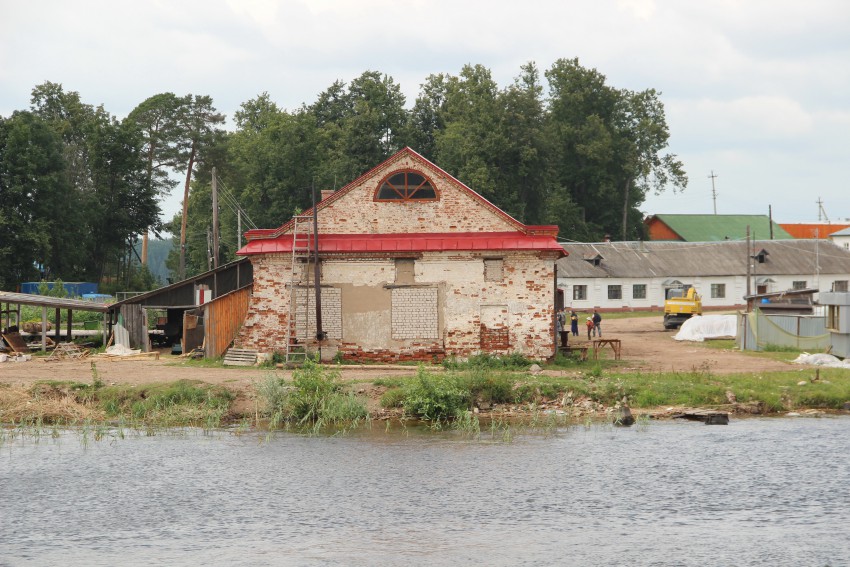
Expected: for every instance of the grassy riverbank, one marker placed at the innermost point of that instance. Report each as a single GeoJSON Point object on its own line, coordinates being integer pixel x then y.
{"type": "Point", "coordinates": [316, 397]}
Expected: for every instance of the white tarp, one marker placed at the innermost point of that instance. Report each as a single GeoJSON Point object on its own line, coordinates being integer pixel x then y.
{"type": "Point", "coordinates": [121, 350]}
{"type": "Point", "coordinates": [704, 327]}
{"type": "Point", "coordinates": [822, 359]}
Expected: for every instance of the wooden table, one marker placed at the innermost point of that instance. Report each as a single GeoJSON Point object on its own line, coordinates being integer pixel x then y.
{"type": "Point", "coordinates": [614, 344]}
{"type": "Point", "coordinates": [582, 349]}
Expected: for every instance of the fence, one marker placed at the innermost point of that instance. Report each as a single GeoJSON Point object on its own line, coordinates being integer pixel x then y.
{"type": "Point", "coordinates": [223, 317]}
{"type": "Point", "coordinates": [803, 332]}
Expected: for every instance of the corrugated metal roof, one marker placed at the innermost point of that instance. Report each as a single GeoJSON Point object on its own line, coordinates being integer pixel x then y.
{"type": "Point", "coordinates": [725, 258]}
{"type": "Point", "coordinates": [52, 302]}
{"type": "Point", "coordinates": [712, 228]}
{"type": "Point", "coordinates": [437, 242]}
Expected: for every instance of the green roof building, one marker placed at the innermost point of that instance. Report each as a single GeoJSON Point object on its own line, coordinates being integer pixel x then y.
{"type": "Point", "coordinates": [712, 228]}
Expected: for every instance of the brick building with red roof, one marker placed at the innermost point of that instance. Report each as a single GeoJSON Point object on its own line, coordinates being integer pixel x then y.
{"type": "Point", "coordinates": [413, 265]}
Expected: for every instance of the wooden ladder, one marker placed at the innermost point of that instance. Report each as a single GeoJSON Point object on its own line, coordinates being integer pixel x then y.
{"type": "Point", "coordinates": [302, 230]}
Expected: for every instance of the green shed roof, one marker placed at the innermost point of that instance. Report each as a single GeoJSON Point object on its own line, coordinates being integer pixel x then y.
{"type": "Point", "coordinates": [710, 228]}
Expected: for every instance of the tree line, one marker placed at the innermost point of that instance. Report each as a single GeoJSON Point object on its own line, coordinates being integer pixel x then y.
{"type": "Point", "coordinates": [78, 186]}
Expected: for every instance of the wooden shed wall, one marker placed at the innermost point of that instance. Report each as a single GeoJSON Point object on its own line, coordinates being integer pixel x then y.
{"type": "Point", "coordinates": [224, 316]}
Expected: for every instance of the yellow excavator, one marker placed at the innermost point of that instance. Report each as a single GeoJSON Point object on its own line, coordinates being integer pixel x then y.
{"type": "Point", "coordinates": [681, 304]}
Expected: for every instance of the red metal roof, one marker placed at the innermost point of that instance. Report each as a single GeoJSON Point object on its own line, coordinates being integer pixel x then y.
{"type": "Point", "coordinates": [431, 242]}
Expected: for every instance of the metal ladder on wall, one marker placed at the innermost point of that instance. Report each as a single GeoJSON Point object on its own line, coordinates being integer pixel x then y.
{"type": "Point", "coordinates": [302, 230]}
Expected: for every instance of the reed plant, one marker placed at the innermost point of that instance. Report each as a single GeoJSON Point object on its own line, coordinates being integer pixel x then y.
{"type": "Point", "coordinates": [314, 400]}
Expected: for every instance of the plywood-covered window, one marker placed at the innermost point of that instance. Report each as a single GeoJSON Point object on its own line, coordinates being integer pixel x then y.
{"type": "Point", "coordinates": [493, 269]}
{"type": "Point", "coordinates": [404, 271]}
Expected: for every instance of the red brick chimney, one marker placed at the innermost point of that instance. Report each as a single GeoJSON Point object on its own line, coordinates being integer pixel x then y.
{"type": "Point", "coordinates": [327, 193]}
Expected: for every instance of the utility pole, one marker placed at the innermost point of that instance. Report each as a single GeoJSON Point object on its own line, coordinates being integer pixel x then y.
{"type": "Point", "coordinates": [209, 248]}
{"type": "Point", "coordinates": [821, 210]}
{"type": "Point", "coordinates": [317, 271]}
{"type": "Point", "coordinates": [713, 192]}
{"type": "Point", "coordinates": [215, 218]}
{"type": "Point", "coordinates": [749, 259]}
{"type": "Point", "coordinates": [770, 219]}
{"type": "Point", "coordinates": [238, 229]}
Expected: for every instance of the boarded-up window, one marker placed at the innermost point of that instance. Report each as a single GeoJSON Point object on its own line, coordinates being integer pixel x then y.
{"type": "Point", "coordinates": [493, 269]}
{"type": "Point", "coordinates": [404, 271]}
{"type": "Point", "coordinates": [305, 313]}
{"type": "Point", "coordinates": [414, 313]}
{"type": "Point", "coordinates": [495, 334]}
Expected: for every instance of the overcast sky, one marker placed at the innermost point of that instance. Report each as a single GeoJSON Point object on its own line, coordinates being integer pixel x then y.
{"type": "Point", "coordinates": [757, 91]}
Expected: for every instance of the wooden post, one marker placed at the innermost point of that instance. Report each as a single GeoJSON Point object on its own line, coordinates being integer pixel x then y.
{"type": "Point", "coordinates": [43, 328]}
{"type": "Point", "coordinates": [58, 333]}
{"type": "Point", "coordinates": [70, 324]}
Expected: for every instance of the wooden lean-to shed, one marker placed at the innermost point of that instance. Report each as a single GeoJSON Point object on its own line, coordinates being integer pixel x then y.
{"type": "Point", "coordinates": [412, 265]}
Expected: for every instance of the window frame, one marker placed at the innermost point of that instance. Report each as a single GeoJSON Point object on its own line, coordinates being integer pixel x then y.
{"type": "Point", "coordinates": [635, 288]}
{"type": "Point", "coordinates": [718, 291]}
{"type": "Point", "coordinates": [618, 288]}
{"type": "Point", "coordinates": [581, 290]}
{"type": "Point", "coordinates": [407, 196]}
{"type": "Point", "coordinates": [799, 284]}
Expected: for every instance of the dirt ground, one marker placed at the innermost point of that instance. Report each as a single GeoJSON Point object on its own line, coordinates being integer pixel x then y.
{"type": "Point", "coordinates": [646, 346]}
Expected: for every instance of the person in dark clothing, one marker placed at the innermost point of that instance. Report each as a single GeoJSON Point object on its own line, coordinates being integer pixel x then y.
{"type": "Point", "coordinates": [574, 323]}
{"type": "Point", "coordinates": [561, 324]}
{"type": "Point", "coordinates": [597, 324]}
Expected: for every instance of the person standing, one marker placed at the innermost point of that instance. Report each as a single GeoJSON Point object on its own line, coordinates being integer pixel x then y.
{"type": "Point", "coordinates": [574, 323]}
{"type": "Point", "coordinates": [597, 324]}
{"type": "Point", "coordinates": [589, 324]}
{"type": "Point", "coordinates": [561, 325]}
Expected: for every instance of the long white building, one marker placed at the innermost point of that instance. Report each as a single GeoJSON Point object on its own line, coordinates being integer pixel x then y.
{"type": "Point", "coordinates": [618, 276]}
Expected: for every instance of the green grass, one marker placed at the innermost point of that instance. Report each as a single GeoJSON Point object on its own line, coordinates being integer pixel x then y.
{"type": "Point", "coordinates": [314, 399]}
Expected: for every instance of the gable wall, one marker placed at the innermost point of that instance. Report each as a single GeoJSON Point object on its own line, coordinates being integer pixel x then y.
{"type": "Point", "coordinates": [356, 212]}
{"type": "Point", "coordinates": [660, 231]}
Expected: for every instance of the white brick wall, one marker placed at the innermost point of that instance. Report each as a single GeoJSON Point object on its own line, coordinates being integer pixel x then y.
{"type": "Point", "coordinates": [305, 312]}
{"type": "Point", "coordinates": [415, 313]}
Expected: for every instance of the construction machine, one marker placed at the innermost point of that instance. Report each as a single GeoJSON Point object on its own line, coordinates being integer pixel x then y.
{"type": "Point", "coordinates": [681, 304]}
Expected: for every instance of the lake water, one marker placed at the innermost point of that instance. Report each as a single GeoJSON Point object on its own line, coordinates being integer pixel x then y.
{"type": "Point", "coordinates": [755, 492]}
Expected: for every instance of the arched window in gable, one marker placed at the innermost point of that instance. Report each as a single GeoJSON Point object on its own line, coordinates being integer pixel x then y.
{"type": "Point", "coordinates": [406, 185]}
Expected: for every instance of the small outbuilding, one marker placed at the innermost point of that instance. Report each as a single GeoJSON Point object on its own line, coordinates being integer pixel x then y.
{"type": "Point", "coordinates": [837, 302]}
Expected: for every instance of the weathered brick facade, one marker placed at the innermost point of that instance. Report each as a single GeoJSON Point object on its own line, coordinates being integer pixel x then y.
{"type": "Point", "coordinates": [458, 301]}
